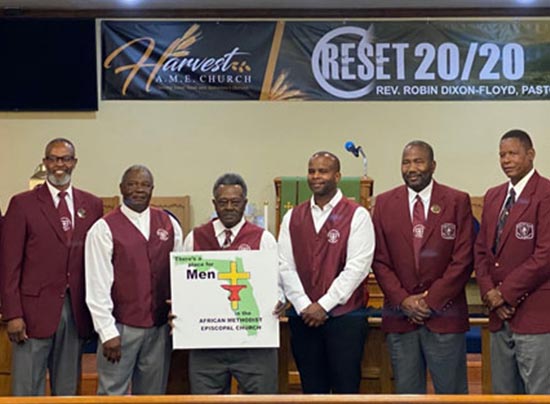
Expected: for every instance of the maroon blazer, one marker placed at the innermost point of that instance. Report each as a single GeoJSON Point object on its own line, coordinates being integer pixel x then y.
{"type": "Point", "coordinates": [445, 258]}
{"type": "Point", "coordinates": [521, 265]}
{"type": "Point", "coordinates": [36, 263]}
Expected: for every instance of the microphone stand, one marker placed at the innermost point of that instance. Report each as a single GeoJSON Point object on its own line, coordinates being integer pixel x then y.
{"type": "Point", "coordinates": [360, 150]}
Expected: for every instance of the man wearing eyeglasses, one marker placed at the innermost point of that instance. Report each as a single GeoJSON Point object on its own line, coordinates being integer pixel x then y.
{"type": "Point", "coordinates": [255, 369]}
{"type": "Point", "coordinates": [42, 277]}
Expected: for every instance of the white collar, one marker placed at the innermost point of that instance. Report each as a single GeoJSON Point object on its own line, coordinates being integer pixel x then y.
{"type": "Point", "coordinates": [331, 204]}
{"type": "Point", "coordinates": [219, 228]}
{"type": "Point", "coordinates": [132, 214]}
{"type": "Point", "coordinates": [425, 194]}
{"type": "Point", "coordinates": [55, 192]}
{"type": "Point", "coordinates": [520, 186]}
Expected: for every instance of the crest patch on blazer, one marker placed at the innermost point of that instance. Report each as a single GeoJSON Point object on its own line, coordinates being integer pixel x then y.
{"type": "Point", "coordinates": [162, 234]}
{"type": "Point", "coordinates": [244, 247]}
{"type": "Point", "coordinates": [525, 231]}
{"type": "Point", "coordinates": [333, 236]}
{"type": "Point", "coordinates": [448, 231]}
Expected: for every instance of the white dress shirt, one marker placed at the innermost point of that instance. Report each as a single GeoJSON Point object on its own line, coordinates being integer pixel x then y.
{"type": "Point", "coordinates": [360, 251]}
{"type": "Point", "coordinates": [69, 198]}
{"type": "Point", "coordinates": [425, 195]}
{"type": "Point", "coordinates": [267, 242]}
{"type": "Point", "coordinates": [99, 267]}
{"type": "Point", "coordinates": [519, 187]}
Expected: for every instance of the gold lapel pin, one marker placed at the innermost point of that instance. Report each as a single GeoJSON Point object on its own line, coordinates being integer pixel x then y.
{"type": "Point", "coordinates": [81, 213]}
{"type": "Point", "coordinates": [435, 209]}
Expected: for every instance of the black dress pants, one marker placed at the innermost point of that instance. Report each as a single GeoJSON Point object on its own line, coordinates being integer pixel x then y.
{"type": "Point", "coordinates": [329, 357]}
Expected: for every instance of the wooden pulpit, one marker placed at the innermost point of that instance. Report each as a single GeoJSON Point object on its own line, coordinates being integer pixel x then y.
{"type": "Point", "coordinates": [290, 191]}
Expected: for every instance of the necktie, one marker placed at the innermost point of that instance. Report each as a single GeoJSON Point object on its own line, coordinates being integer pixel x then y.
{"type": "Point", "coordinates": [227, 241]}
{"type": "Point", "coordinates": [65, 216]}
{"type": "Point", "coordinates": [503, 217]}
{"type": "Point", "coordinates": [418, 229]}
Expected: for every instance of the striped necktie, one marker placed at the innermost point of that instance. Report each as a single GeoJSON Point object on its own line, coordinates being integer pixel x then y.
{"type": "Point", "coordinates": [503, 217]}
{"type": "Point", "coordinates": [227, 241]}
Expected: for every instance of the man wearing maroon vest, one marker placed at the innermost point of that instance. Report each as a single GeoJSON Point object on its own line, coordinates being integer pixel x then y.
{"type": "Point", "coordinates": [127, 284]}
{"type": "Point", "coordinates": [42, 277]}
{"type": "Point", "coordinates": [512, 263]}
{"type": "Point", "coordinates": [255, 369]}
{"type": "Point", "coordinates": [423, 259]}
{"type": "Point", "coordinates": [325, 249]}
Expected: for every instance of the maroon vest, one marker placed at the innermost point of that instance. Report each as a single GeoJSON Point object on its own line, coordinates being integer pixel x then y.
{"type": "Point", "coordinates": [141, 269]}
{"type": "Point", "coordinates": [249, 238]}
{"type": "Point", "coordinates": [321, 257]}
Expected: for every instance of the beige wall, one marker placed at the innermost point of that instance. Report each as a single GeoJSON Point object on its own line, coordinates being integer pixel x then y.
{"type": "Point", "coordinates": [188, 144]}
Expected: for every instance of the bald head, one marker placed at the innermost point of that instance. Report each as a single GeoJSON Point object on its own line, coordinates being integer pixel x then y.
{"type": "Point", "coordinates": [330, 156]}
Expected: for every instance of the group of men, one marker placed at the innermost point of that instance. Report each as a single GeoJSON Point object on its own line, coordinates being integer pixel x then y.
{"type": "Point", "coordinates": [65, 269]}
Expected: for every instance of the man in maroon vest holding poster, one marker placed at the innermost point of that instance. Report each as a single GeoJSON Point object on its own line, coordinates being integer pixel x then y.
{"type": "Point", "coordinates": [255, 369]}
{"type": "Point", "coordinates": [326, 247]}
{"type": "Point", "coordinates": [127, 285]}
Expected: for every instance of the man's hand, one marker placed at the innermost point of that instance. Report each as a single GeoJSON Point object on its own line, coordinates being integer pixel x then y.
{"type": "Point", "coordinates": [171, 316]}
{"type": "Point", "coordinates": [314, 315]}
{"type": "Point", "coordinates": [280, 308]}
{"type": "Point", "coordinates": [112, 350]}
{"type": "Point", "coordinates": [17, 330]}
{"type": "Point", "coordinates": [416, 308]}
{"type": "Point", "coordinates": [505, 312]}
{"type": "Point", "coordinates": [493, 299]}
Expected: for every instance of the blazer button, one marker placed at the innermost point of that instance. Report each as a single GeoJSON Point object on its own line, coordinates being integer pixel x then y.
{"type": "Point", "coordinates": [497, 264]}
{"type": "Point", "coordinates": [62, 295]}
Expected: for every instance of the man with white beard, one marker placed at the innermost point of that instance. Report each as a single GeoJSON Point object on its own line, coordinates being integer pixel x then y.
{"type": "Point", "coordinates": [42, 277]}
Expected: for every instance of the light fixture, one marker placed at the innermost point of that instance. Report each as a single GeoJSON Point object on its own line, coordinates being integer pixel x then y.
{"type": "Point", "coordinates": [39, 176]}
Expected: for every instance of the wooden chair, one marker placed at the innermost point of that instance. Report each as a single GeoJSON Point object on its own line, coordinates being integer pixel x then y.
{"type": "Point", "coordinates": [109, 203]}
{"type": "Point", "coordinates": [179, 206]}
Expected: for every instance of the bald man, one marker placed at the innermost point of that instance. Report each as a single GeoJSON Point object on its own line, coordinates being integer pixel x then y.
{"type": "Point", "coordinates": [326, 246]}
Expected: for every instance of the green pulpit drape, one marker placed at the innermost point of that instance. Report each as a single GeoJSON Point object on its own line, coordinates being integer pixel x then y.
{"type": "Point", "coordinates": [294, 190]}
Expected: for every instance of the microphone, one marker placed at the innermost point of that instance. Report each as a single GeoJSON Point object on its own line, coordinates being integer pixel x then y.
{"type": "Point", "coordinates": [350, 146]}
{"type": "Point", "coordinates": [356, 151]}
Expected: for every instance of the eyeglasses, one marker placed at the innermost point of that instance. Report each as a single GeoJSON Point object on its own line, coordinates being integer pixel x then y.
{"type": "Point", "coordinates": [62, 159]}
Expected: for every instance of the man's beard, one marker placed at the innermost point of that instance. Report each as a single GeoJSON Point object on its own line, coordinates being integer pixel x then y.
{"type": "Point", "coordinates": [59, 182]}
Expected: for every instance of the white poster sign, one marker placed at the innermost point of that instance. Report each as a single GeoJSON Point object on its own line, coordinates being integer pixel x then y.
{"type": "Point", "coordinates": [224, 299]}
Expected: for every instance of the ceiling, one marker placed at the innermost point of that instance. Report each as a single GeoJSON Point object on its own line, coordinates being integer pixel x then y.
{"type": "Point", "coordinates": [264, 4]}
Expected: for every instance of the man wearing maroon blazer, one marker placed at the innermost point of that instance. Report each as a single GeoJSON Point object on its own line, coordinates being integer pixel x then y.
{"type": "Point", "coordinates": [423, 259]}
{"type": "Point", "coordinates": [255, 369]}
{"type": "Point", "coordinates": [127, 285]}
{"type": "Point", "coordinates": [512, 263]}
{"type": "Point", "coordinates": [42, 277]}
{"type": "Point", "coordinates": [326, 246]}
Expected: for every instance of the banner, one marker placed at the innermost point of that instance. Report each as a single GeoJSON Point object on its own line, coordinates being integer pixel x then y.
{"type": "Point", "coordinates": [328, 60]}
{"type": "Point", "coordinates": [225, 299]}
{"type": "Point", "coordinates": [184, 60]}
